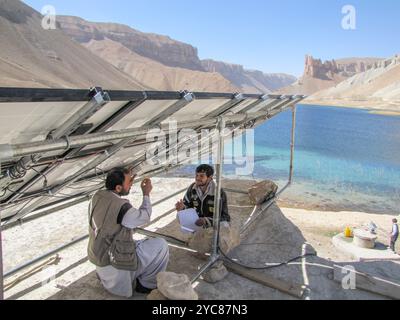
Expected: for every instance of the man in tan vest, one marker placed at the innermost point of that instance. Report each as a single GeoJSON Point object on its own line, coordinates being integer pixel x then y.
{"type": "Point", "coordinates": [122, 264]}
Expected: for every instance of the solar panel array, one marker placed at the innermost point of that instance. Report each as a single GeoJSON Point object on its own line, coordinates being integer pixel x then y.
{"type": "Point", "coordinates": [58, 144]}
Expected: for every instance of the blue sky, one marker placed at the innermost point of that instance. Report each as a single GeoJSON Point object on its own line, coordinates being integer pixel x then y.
{"type": "Point", "coordinates": [272, 36]}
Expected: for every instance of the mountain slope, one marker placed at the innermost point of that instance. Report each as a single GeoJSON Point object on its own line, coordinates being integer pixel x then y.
{"type": "Point", "coordinates": [31, 56]}
{"type": "Point", "coordinates": [156, 47]}
{"type": "Point", "coordinates": [156, 74]}
{"type": "Point", "coordinates": [172, 59]}
{"type": "Point", "coordinates": [251, 81]}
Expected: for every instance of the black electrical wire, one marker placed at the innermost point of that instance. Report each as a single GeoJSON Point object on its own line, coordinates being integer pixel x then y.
{"type": "Point", "coordinates": [267, 267]}
{"type": "Point", "coordinates": [43, 175]}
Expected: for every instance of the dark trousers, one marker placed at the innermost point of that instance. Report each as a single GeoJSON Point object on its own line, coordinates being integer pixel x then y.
{"type": "Point", "coordinates": [393, 242]}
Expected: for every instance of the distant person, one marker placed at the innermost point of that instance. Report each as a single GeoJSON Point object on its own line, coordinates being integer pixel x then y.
{"type": "Point", "coordinates": [200, 196]}
{"type": "Point", "coordinates": [123, 264]}
{"type": "Point", "coordinates": [394, 235]}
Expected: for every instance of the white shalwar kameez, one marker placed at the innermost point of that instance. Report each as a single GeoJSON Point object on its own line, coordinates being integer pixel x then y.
{"type": "Point", "coordinates": [153, 255]}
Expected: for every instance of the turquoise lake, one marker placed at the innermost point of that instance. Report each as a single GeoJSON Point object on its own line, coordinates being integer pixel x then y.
{"type": "Point", "coordinates": [345, 159]}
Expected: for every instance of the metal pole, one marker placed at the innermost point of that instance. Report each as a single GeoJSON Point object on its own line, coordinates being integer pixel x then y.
{"type": "Point", "coordinates": [99, 99]}
{"type": "Point", "coordinates": [169, 197]}
{"type": "Point", "coordinates": [46, 212]}
{"type": "Point", "coordinates": [1, 268]}
{"type": "Point", "coordinates": [44, 256]}
{"type": "Point", "coordinates": [217, 199]}
{"type": "Point", "coordinates": [8, 151]}
{"type": "Point", "coordinates": [292, 144]}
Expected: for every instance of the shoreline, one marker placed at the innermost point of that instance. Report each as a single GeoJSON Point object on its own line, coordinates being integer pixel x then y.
{"type": "Point", "coordinates": [372, 107]}
{"type": "Point", "coordinates": [301, 196]}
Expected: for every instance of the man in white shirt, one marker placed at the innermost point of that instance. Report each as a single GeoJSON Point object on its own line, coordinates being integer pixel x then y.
{"type": "Point", "coordinates": [109, 216]}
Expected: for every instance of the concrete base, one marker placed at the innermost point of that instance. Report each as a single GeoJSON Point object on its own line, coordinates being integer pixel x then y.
{"type": "Point", "coordinates": [380, 252]}
{"type": "Point", "coordinates": [364, 239]}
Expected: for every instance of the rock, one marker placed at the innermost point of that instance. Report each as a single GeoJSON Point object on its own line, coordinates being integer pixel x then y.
{"type": "Point", "coordinates": [262, 191]}
{"type": "Point", "coordinates": [315, 68]}
{"type": "Point", "coordinates": [216, 273]}
{"type": "Point", "coordinates": [249, 79]}
{"type": "Point", "coordinates": [156, 47]}
{"type": "Point", "coordinates": [201, 241]}
{"type": "Point", "coordinates": [156, 295]}
{"type": "Point", "coordinates": [175, 286]}
{"type": "Point", "coordinates": [229, 238]}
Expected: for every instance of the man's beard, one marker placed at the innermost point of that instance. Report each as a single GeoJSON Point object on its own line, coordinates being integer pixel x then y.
{"type": "Point", "coordinates": [124, 193]}
{"type": "Point", "coordinates": [199, 184]}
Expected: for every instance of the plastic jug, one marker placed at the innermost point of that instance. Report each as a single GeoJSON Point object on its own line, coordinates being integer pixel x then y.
{"type": "Point", "coordinates": [348, 233]}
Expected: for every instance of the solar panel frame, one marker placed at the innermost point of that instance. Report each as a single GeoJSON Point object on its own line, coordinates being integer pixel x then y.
{"type": "Point", "coordinates": [121, 110]}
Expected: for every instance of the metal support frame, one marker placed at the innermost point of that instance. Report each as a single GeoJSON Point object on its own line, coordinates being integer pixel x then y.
{"type": "Point", "coordinates": [98, 100]}
{"type": "Point", "coordinates": [219, 166]}
{"type": "Point", "coordinates": [217, 202]}
{"type": "Point", "coordinates": [1, 267]}
{"type": "Point", "coordinates": [125, 110]}
{"type": "Point", "coordinates": [259, 104]}
{"type": "Point", "coordinates": [77, 240]}
{"type": "Point", "coordinates": [292, 143]}
{"type": "Point", "coordinates": [186, 98]}
{"type": "Point", "coordinates": [266, 205]}
{"type": "Point", "coordinates": [237, 120]}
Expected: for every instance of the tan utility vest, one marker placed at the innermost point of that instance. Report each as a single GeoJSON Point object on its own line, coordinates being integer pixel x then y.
{"type": "Point", "coordinates": [109, 242]}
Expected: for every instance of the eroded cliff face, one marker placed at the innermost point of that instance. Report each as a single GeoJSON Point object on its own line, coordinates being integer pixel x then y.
{"type": "Point", "coordinates": [156, 47]}
{"type": "Point", "coordinates": [315, 68]}
{"type": "Point", "coordinates": [377, 88]}
{"type": "Point", "coordinates": [254, 80]}
{"type": "Point", "coordinates": [320, 75]}
{"type": "Point", "coordinates": [104, 38]}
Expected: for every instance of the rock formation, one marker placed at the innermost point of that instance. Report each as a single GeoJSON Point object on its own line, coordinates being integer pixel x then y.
{"type": "Point", "coordinates": [320, 75]}
{"type": "Point", "coordinates": [159, 48]}
{"type": "Point", "coordinates": [251, 81]}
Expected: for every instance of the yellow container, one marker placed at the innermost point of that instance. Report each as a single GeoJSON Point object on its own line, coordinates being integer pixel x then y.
{"type": "Point", "coordinates": [348, 233]}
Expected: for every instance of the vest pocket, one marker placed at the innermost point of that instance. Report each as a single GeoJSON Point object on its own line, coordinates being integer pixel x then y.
{"type": "Point", "coordinates": [123, 251]}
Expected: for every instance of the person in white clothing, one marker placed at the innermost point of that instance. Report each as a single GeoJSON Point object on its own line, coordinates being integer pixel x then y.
{"type": "Point", "coordinates": [134, 267]}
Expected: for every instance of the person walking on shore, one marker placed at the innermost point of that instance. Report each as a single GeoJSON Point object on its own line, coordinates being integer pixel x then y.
{"type": "Point", "coordinates": [394, 235]}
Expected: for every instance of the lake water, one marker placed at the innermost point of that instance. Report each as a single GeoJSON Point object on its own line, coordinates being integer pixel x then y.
{"type": "Point", "coordinates": [345, 159]}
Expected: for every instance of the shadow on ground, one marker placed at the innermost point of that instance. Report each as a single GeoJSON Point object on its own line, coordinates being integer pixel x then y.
{"type": "Point", "coordinates": [272, 238]}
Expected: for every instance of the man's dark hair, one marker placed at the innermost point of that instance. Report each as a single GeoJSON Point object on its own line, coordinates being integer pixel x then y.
{"type": "Point", "coordinates": [116, 177]}
{"type": "Point", "coordinates": [205, 168]}
{"type": "Point", "coordinates": [394, 220]}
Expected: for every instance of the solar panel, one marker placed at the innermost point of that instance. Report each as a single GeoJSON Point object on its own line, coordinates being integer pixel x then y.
{"type": "Point", "coordinates": [58, 144]}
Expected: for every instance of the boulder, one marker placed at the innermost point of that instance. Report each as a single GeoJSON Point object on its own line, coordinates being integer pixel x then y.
{"type": "Point", "coordinates": [216, 273]}
{"type": "Point", "coordinates": [229, 238]}
{"type": "Point", "coordinates": [156, 295]}
{"type": "Point", "coordinates": [262, 191]}
{"type": "Point", "coordinates": [175, 286]}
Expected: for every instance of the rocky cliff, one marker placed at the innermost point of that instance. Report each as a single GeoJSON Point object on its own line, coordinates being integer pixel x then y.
{"type": "Point", "coordinates": [159, 55]}
{"type": "Point", "coordinates": [320, 75]}
{"type": "Point", "coordinates": [378, 88]}
{"type": "Point", "coordinates": [156, 47]}
{"type": "Point", "coordinates": [343, 67]}
{"type": "Point", "coordinates": [252, 81]}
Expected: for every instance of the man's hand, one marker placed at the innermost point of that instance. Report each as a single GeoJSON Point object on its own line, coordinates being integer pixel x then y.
{"type": "Point", "coordinates": [179, 206]}
{"type": "Point", "coordinates": [146, 186]}
{"type": "Point", "coordinates": [200, 222]}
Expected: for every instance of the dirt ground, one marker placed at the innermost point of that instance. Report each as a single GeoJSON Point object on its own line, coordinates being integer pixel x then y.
{"type": "Point", "coordinates": [278, 235]}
